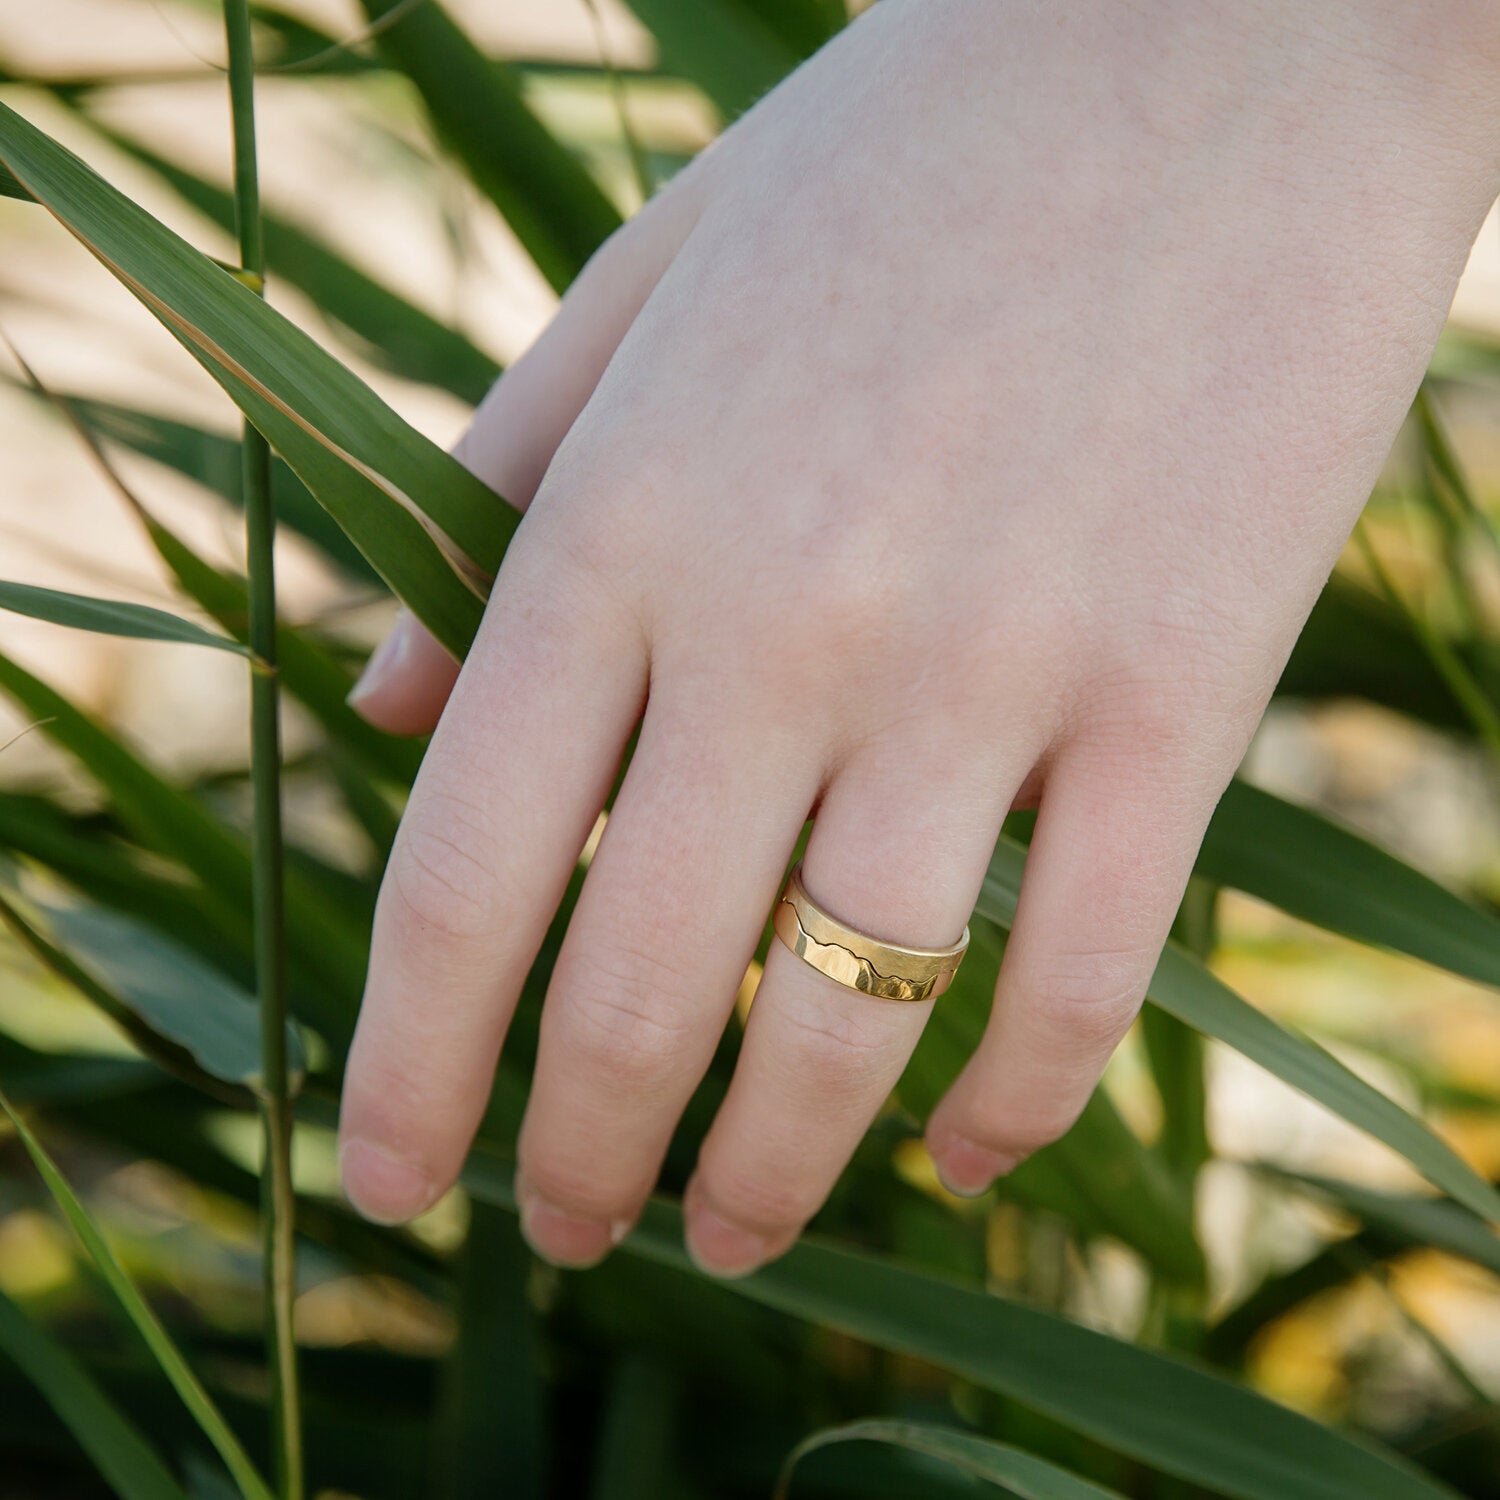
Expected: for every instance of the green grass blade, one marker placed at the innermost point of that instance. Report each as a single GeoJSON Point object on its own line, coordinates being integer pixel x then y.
{"type": "Point", "coordinates": [1444, 459]}
{"type": "Point", "coordinates": [1184, 988]}
{"type": "Point", "coordinates": [10, 186]}
{"type": "Point", "coordinates": [362, 461]}
{"type": "Point", "coordinates": [804, 25]}
{"type": "Point", "coordinates": [639, 1441]}
{"type": "Point", "coordinates": [493, 1417]}
{"type": "Point", "coordinates": [375, 812]}
{"type": "Point", "coordinates": [50, 1079]}
{"type": "Point", "coordinates": [1175, 1054]}
{"type": "Point", "coordinates": [308, 671]}
{"type": "Point", "coordinates": [166, 1353]}
{"type": "Point", "coordinates": [159, 815]}
{"type": "Point", "coordinates": [1171, 1414]}
{"type": "Point", "coordinates": [1100, 1177]}
{"type": "Point", "coordinates": [111, 617]}
{"type": "Point", "coordinates": [392, 331]}
{"type": "Point", "coordinates": [1022, 1474]}
{"type": "Point", "coordinates": [1313, 868]}
{"type": "Point", "coordinates": [174, 824]}
{"type": "Point", "coordinates": [117, 1450]}
{"type": "Point", "coordinates": [733, 54]}
{"type": "Point", "coordinates": [299, 47]}
{"type": "Point", "coordinates": [172, 990]}
{"type": "Point", "coordinates": [1355, 645]}
{"type": "Point", "coordinates": [1308, 866]}
{"type": "Point", "coordinates": [1433, 1223]}
{"type": "Point", "coordinates": [150, 1039]}
{"type": "Point", "coordinates": [85, 850]}
{"type": "Point", "coordinates": [305, 669]}
{"type": "Point", "coordinates": [1447, 662]}
{"type": "Point", "coordinates": [213, 461]}
{"type": "Point", "coordinates": [547, 197]}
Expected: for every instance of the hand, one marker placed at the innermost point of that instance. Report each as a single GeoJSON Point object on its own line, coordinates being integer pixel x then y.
{"type": "Point", "coordinates": [974, 425]}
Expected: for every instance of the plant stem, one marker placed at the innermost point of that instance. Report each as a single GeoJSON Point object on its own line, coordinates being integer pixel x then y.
{"type": "Point", "coordinates": [278, 1201]}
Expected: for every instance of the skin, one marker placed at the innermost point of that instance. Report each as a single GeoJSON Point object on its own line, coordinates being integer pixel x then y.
{"type": "Point", "coordinates": [974, 425]}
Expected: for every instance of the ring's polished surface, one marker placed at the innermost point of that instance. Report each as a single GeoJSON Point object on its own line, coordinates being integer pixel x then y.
{"type": "Point", "coordinates": [886, 970]}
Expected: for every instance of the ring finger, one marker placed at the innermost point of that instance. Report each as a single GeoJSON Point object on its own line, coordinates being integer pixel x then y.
{"type": "Point", "coordinates": [899, 852]}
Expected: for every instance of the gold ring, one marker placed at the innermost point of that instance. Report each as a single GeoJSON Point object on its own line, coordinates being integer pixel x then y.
{"type": "Point", "coordinates": [855, 959]}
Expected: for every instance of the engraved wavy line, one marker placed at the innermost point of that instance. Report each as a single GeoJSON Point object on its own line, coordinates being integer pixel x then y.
{"type": "Point", "coordinates": [858, 958]}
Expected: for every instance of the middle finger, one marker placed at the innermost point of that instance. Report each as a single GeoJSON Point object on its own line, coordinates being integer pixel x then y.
{"type": "Point", "coordinates": [670, 913]}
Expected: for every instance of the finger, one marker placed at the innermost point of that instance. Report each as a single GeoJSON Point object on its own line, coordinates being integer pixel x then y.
{"type": "Point", "coordinates": [1106, 870]}
{"type": "Point", "coordinates": [667, 924]}
{"type": "Point", "coordinates": [518, 428]}
{"type": "Point", "coordinates": [407, 679]}
{"type": "Point", "coordinates": [508, 793]}
{"type": "Point", "coordinates": [899, 851]}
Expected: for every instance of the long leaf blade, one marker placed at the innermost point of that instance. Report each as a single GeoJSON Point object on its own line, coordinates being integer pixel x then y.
{"type": "Point", "coordinates": [1176, 1416]}
{"type": "Point", "coordinates": [730, 52]}
{"type": "Point", "coordinates": [116, 1448]}
{"type": "Point", "coordinates": [361, 460]}
{"type": "Point", "coordinates": [1432, 1223]}
{"type": "Point", "coordinates": [111, 617]}
{"type": "Point", "coordinates": [173, 990]}
{"type": "Point", "coordinates": [151, 1041]}
{"type": "Point", "coordinates": [1023, 1474]}
{"type": "Point", "coordinates": [1306, 865]}
{"type": "Point", "coordinates": [555, 208]}
{"type": "Point", "coordinates": [173, 823]}
{"type": "Point", "coordinates": [212, 459]}
{"type": "Point", "coordinates": [166, 1353]}
{"type": "Point", "coordinates": [397, 332]}
{"type": "Point", "coordinates": [1184, 988]}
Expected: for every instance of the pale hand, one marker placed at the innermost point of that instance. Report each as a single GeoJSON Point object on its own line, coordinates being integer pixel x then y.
{"type": "Point", "coordinates": [973, 425]}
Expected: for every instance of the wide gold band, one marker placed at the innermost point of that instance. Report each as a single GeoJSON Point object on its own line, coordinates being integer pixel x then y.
{"type": "Point", "coordinates": [857, 960]}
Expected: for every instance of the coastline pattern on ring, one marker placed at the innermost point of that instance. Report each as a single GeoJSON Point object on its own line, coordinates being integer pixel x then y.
{"type": "Point", "coordinates": [856, 960]}
{"type": "Point", "coordinates": [852, 969]}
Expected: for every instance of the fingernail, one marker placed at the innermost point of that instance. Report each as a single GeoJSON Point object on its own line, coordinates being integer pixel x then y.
{"type": "Point", "coordinates": [565, 1239]}
{"type": "Point", "coordinates": [385, 662]}
{"type": "Point", "coordinates": [383, 1187]}
{"type": "Point", "coordinates": [721, 1248]}
{"type": "Point", "coordinates": [968, 1169]}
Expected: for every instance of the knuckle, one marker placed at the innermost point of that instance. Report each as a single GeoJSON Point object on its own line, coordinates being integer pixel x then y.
{"type": "Point", "coordinates": [850, 602]}
{"type": "Point", "coordinates": [834, 1052]}
{"type": "Point", "coordinates": [564, 581]}
{"type": "Point", "coordinates": [1022, 1129]}
{"type": "Point", "coordinates": [383, 1100]}
{"type": "Point", "coordinates": [623, 1025]}
{"type": "Point", "coordinates": [441, 875]}
{"type": "Point", "coordinates": [1090, 997]}
{"type": "Point", "coordinates": [575, 1187]}
{"type": "Point", "coordinates": [594, 499]}
{"type": "Point", "coordinates": [1186, 709]}
{"type": "Point", "coordinates": [760, 1199]}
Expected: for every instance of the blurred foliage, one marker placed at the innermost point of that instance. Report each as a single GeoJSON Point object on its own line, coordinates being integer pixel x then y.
{"type": "Point", "coordinates": [916, 1345]}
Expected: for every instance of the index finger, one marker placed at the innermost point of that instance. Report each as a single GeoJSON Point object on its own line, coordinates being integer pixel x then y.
{"type": "Point", "coordinates": [515, 777]}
